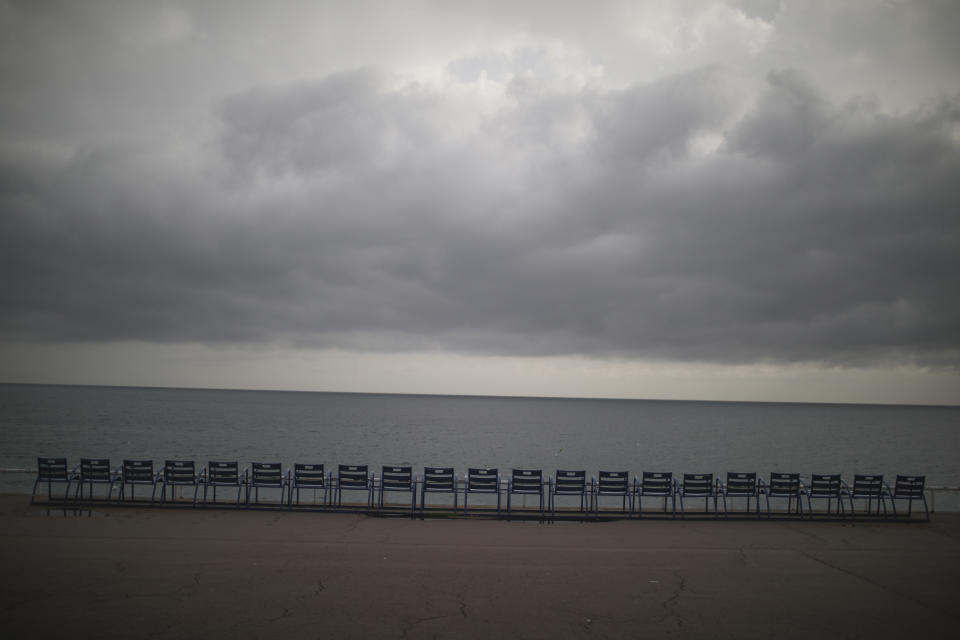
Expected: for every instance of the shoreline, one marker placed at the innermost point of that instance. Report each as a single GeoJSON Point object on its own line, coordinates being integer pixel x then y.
{"type": "Point", "coordinates": [186, 573]}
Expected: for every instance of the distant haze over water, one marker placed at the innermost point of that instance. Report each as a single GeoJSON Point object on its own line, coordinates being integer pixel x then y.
{"type": "Point", "coordinates": [461, 431]}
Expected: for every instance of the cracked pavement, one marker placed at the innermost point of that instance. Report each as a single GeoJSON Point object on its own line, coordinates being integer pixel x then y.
{"type": "Point", "coordinates": [195, 573]}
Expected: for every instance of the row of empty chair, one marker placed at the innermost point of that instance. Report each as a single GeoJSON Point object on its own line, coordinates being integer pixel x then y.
{"type": "Point", "coordinates": [662, 488]}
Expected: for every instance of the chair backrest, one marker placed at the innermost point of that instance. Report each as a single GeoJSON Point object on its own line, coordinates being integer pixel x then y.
{"type": "Point", "coordinates": [909, 487]}
{"type": "Point", "coordinates": [741, 484]}
{"type": "Point", "coordinates": [482, 480]}
{"type": "Point", "coordinates": [179, 472]}
{"type": "Point", "coordinates": [95, 469]}
{"type": "Point", "coordinates": [308, 475]}
{"type": "Point", "coordinates": [784, 484]}
{"type": "Point", "coordinates": [824, 485]}
{"type": "Point", "coordinates": [526, 480]}
{"type": "Point", "coordinates": [396, 478]}
{"type": "Point", "coordinates": [52, 469]}
{"type": "Point", "coordinates": [613, 482]}
{"type": "Point", "coordinates": [266, 474]}
{"type": "Point", "coordinates": [222, 472]}
{"type": "Point", "coordinates": [138, 471]}
{"type": "Point", "coordinates": [440, 479]}
{"type": "Point", "coordinates": [867, 486]}
{"type": "Point", "coordinates": [656, 483]}
{"type": "Point", "coordinates": [572, 482]}
{"type": "Point", "coordinates": [697, 484]}
{"type": "Point", "coordinates": [353, 476]}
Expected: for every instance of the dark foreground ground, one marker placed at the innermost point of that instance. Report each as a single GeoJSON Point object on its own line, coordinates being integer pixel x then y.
{"type": "Point", "coordinates": [191, 574]}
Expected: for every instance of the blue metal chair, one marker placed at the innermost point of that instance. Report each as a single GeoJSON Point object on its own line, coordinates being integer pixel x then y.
{"type": "Point", "coordinates": [614, 484]}
{"type": "Point", "coordinates": [782, 485]}
{"type": "Point", "coordinates": [137, 472]}
{"type": "Point", "coordinates": [657, 484]}
{"type": "Point", "coordinates": [908, 488]}
{"type": "Point", "coordinates": [354, 477]}
{"type": "Point", "coordinates": [398, 479]}
{"type": "Point", "coordinates": [699, 485]}
{"type": "Point", "coordinates": [309, 476]}
{"type": "Point", "coordinates": [438, 480]}
{"type": "Point", "coordinates": [824, 486]}
{"type": "Point", "coordinates": [52, 471]}
{"type": "Point", "coordinates": [527, 482]}
{"type": "Point", "coordinates": [94, 471]}
{"type": "Point", "coordinates": [569, 483]}
{"type": "Point", "coordinates": [740, 485]}
{"type": "Point", "coordinates": [178, 473]}
{"type": "Point", "coordinates": [481, 480]}
{"type": "Point", "coordinates": [266, 475]}
{"type": "Point", "coordinates": [866, 487]}
{"type": "Point", "coordinates": [223, 474]}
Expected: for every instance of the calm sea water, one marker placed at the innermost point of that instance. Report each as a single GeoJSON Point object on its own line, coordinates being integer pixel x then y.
{"type": "Point", "coordinates": [376, 429]}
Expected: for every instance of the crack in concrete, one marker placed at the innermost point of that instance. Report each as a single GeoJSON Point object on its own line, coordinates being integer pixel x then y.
{"type": "Point", "coordinates": [742, 556]}
{"type": "Point", "coordinates": [670, 604]}
{"type": "Point", "coordinates": [408, 627]}
{"type": "Point", "coordinates": [876, 583]}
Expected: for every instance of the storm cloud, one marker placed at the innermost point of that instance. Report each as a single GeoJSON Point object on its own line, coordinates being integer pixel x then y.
{"type": "Point", "coordinates": [524, 203]}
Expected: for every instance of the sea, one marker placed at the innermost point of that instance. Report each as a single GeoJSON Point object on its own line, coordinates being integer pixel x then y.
{"type": "Point", "coordinates": [473, 431]}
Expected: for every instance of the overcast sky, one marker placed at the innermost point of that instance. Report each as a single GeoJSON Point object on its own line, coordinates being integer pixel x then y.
{"type": "Point", "coordinates": [738, 200]}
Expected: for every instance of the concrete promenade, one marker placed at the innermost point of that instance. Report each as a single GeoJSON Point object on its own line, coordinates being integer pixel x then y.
{"type": "Point", "coordinates": [256, 574]}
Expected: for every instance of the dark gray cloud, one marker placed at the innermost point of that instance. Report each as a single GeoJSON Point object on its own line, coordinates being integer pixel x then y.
{"type": "Point", "coordinates": [686, 217]}
{"type": "Point", "coordinates": [567, 223]}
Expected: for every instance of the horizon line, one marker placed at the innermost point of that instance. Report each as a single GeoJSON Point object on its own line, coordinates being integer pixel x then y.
{"type": "Point", "coordinates": [484, 395]}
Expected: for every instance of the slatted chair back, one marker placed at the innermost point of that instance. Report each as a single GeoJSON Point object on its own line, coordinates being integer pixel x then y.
{"type": "Point", "coordinates": [137, 472]}
{"type": "Point", "coordinates": [697, 485]}
{"type": "Point", "coordinates": [353, 476]}
{"type": "Point", "coordinates": [439, 480]}
{"type": "Point", "coordinates": [741, 485]}
{"type": "Point", "coordinates": [656, 483]}
{"type": "Point", "coordinates": [909, 487]}
{"type": "Point", "coordinates": [825, 485]}
{"type": "Point", "coordinates": [784, 485]}
{"type": "Point", "coordinates": [309, 476]}
{"type": "Point", "coordinates": [483, 480]}
{"type": "Point", "coordinates": [867, 486]}
{"type": "Point", "coordinates": [223, 473]}
{"type": "Point", "coordinates": [613, 483]}
{"type": "Point", "coordinates": [266, 474]}
{"type": "Point", "coordinates": [528, 481]}
{"type": "Point", "coordinates": [396, 478]}
{"type": "Point", "coordinates": [179, 472]}
{"type": "Point", "coordinates": [52, 470]}
{"type": "Point", "coordinates": [525, 482]}
{"type": "Point", "coordinates": [95, 470]}
{"type": "Point", "coordinates": [570, 483]}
